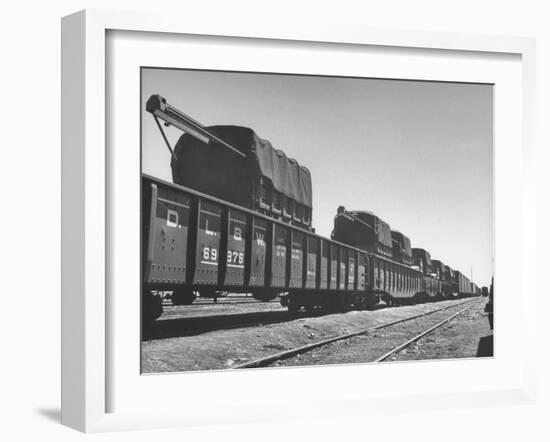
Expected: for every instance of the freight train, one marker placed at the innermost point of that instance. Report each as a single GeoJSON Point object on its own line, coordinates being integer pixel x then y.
{"type": "Point", "coordinates": [238, 218]}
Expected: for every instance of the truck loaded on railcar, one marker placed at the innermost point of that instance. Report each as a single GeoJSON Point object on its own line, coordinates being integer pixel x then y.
{"type": "Point", "coordinates": [363, 230]}
{"type": "Point", "coordinates": [257, 176]}
{"type": "Point", "coordinates": [401, 248]}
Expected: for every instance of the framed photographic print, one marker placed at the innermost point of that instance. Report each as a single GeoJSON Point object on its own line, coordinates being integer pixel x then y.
{"type": "Point", "coordinates": [260, 218]}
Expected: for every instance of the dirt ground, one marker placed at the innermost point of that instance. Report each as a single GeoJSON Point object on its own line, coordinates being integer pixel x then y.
{"type": "Point", "coordinates": [458, 338]}
{"type": "Point", "coordinates": [467, 336]}
{"type": "Point", "coordinates": [222, 349]}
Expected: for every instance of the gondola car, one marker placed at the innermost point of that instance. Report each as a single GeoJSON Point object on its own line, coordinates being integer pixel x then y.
{"type": "Point", "coordinates": [451, 278]}
{"type": "Point", "coordinates": [463, 286]}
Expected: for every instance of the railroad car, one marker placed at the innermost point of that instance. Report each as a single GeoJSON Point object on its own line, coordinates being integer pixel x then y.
{"type": "Point", "coordinates": [363, 230]}
{"type": "Point", "coordinates": [439, 272]}
{"type": "Point", "coordinates": [463, 286]}
{"type": "Point", "coordinates": [396, 283]}
{"type": "Point", "coordinates": [451, 278]}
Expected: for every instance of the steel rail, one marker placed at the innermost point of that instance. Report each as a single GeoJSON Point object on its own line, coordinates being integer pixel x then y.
{"type": "Point", "coordinates": [203, 304]}
{"type": "Point", "coordinates": [424, 333]}
{"type": "Point", "coordinates": [267, 360]}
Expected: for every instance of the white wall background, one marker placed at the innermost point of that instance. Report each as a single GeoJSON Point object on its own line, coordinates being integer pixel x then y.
{"type": "Point", "coordinates": [30, 221]}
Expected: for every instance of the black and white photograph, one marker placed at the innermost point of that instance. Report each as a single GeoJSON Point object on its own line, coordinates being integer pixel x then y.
{"type": "Point", "coordinates": [300, 220]}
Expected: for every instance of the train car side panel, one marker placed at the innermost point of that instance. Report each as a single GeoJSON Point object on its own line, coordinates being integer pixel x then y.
{"type": "Point", "coordinates": [297, 259]}
{"type": "Point", "coordinates": [342, 274]}
{"type": "Point", "coordinates": [312, 260]}
{"type": "Point", "coordinates": [207, 255]}
{"type": "Point", "coordinates": [258, 253]}
{"type": "Point", "coordinates": [279, 256]}
{"type": "Point", "coordinates": [324, 264]}
{"type": "Point", "coordinates": [236, 248]}
{"type": "Point", "coordinates": [352, 261]}
{"type": "Point", "coordinates": [167, 236]}
{"type": "Point", "coordinates": [333, 266]}
{"type": "Point", "coordinates": [362, 272]}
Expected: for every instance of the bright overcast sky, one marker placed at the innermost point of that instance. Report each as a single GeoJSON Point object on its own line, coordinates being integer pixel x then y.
{"type": "Point", "coordinates": [417, 154]}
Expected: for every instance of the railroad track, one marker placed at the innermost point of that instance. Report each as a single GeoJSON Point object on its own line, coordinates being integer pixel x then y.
{"type": "Point", "coordinates": [208, 303]}
{"type": "Point", "coordinates": [286, 354]}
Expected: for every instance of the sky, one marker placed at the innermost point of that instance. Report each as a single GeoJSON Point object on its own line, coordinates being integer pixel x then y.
{"type": "Point", "coordinates": [417, 154]}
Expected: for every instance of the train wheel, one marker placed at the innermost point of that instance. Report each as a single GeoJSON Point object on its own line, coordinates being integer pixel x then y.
{"type": "Point", "coordinates": [332, 304]}
{"type": "Point", "coordinates": [293, 308]}
{"type": "Point", "coordinates": [183, 297]}
{"type": "Point", "coordinates": [151, 309]}
{"type": "Point", "coordinates": [264, 295]}
{"type": "Point", "coordinates": [344, 303]}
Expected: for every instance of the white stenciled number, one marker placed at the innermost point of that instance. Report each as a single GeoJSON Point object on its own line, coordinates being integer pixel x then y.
{"type": "Point", "coordinates": [209, 254]}
{"type": "Point", "coordinates": [235, 257]}
{"type": "Point", "coordinates": [237, 234]}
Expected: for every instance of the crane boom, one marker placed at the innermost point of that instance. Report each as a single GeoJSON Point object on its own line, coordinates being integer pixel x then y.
{"type": "Point", "coordinates": [160, 109]}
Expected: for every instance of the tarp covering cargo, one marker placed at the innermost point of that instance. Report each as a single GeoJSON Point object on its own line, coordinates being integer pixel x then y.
{"type": "Point", "coordinates": [213, 169]}
{"type": "Point", "coordinates": [423, 256]}
{"type": "Point", "coordinates": [363, 230]}
{"type": "Point", "coordinates": [403, 241]}
{"type": "Point", "coordinates": [381, 228]}
{"type": "Point", "coordinates": [401, 247]}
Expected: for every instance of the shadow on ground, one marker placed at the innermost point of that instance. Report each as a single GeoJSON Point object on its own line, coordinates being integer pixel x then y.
{"type": "Point", "coordinates": [485, 346]}
{"type": "Point", "coordinates": [51, 414]}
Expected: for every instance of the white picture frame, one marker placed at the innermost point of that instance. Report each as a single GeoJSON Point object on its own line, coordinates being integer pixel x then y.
{"type": "Point", "coordinates": [87, 319]}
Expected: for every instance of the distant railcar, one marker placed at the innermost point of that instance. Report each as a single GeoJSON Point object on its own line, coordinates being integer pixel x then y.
{"type": "Point", "coordinates": [438, 268]}
{"type": "Point", "coordinates": [440, 272]}
{"type": "Point", "coordinates": [396, 283]}
{"type": "Point", "coordinates": [463, 284]}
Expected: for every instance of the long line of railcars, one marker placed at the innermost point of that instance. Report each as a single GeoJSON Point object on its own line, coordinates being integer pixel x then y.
{"type": "Point", "coordinates": [263, 242]}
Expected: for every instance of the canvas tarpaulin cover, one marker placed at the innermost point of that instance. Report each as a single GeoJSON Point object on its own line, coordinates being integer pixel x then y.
{"type": "Point", "coordinates": [214, 169]}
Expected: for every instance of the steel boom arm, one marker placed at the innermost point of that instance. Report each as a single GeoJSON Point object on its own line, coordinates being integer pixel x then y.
{"type": "Point", "coordinates": [158, 106]}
